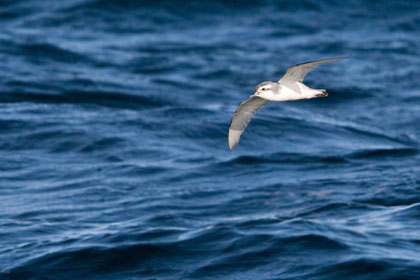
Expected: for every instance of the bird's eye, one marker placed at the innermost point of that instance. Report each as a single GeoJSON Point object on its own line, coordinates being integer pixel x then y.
{"type": "Point", "coordinates": [264, 88]}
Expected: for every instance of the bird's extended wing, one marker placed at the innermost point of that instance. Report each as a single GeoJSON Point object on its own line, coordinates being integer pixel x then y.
{"type": "Point", "coordinates": [242, 117]}
{"type": "Point", "coordinates": [298, 72]}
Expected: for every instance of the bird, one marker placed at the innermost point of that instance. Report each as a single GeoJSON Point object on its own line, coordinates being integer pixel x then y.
{"type": "Point", "coordinates": [288, 88]}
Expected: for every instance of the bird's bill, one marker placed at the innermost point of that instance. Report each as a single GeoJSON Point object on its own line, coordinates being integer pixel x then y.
{"type": "Point", "coordinates": [254, 94]}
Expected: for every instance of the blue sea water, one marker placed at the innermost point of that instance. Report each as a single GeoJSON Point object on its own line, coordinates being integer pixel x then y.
{"type": "Point", "coordinates": [114, 161]}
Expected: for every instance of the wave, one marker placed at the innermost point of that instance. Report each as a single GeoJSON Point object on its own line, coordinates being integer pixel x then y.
{"type": "Point", "coordinates": [226, 251]}
{"type": "Point", "coordinates": [105, 98]}
{"type": "Point", "coordinates": [288, 158]}
{"type": "Point", "coordinates": [301, 158]}
{"type": "Point", "coordinates": [41, 52]}
{"type": "Point", "coordinates": [366, 268]}
{"type": "Point", "coordinates": [381, 153]}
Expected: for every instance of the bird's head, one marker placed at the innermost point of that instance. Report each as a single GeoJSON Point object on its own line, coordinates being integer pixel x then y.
{"type": "Point", "coordinates": [266, 89]}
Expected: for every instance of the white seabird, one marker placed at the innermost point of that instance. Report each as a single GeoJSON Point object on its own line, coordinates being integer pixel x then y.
{"type": "Point", "coordinates": [288, 88]}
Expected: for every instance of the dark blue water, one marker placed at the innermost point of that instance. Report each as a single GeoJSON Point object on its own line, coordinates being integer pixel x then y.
{"type": "Point", "coordinates": [114, 161]}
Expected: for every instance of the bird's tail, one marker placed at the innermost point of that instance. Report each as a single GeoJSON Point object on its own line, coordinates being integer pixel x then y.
{"type": "Point", "coordinates": [322, 93]}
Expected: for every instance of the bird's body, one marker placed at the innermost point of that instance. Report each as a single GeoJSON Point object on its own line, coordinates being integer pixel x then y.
{"type": "Point", "coordinates": [293, 91]}
{"type": "Point", "coordinates": [288, 88]}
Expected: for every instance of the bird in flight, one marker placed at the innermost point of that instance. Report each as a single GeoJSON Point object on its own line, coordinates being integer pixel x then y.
{"type": "Point", "coordinates": [288, 88]}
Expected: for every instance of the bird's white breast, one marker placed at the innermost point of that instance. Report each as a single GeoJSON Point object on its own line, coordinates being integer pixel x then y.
{"type": "Point", "coordinates": [285, 93]}
{"type": "Point", "coordinates": [295, 91]}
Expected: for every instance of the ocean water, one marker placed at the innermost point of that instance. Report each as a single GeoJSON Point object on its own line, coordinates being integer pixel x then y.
{"type": "Point", "coordinates": [114, 161]}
